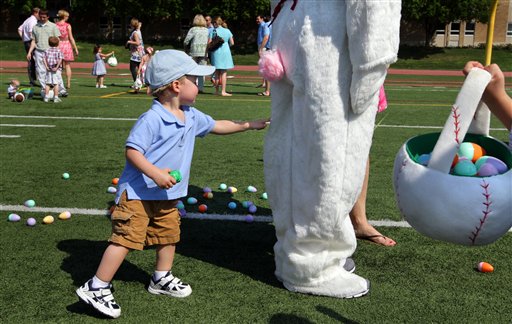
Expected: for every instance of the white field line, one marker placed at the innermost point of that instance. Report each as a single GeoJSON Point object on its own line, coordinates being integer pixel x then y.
{"type": "Point", "coordinates": [10, 136]}
{"type": "Point", "coordinates": [239, 218]}
{"type": "Point", "coordinates": [24, 125]}
{"type": "Point", "coordinates": [134, 119]}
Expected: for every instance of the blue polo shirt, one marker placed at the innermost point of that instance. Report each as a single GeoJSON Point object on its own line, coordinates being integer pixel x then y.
{"type": "Point", "coordinates": [166, 142]}
{"type": "Point", "coordinates": [263, 30]}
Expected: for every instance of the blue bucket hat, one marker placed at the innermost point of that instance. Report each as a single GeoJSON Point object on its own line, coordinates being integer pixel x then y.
{"type": "Point", "coordinates": [169, 65]}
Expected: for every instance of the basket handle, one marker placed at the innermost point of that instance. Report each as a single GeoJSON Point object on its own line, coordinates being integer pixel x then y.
{"type": "Point", "coordinates": [467, 111]}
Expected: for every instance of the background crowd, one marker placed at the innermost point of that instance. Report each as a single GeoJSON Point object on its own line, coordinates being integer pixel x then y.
{"type": "Point", "coordinates": [37, 28]}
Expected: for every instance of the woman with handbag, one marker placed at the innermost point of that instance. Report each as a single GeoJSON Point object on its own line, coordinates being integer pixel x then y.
{"type": "Point", "coordinates": [136, 46]}
{"type": "Point", "coordinates": [196, 40]}
{"type": "Point", "coordinates": [221, 57]}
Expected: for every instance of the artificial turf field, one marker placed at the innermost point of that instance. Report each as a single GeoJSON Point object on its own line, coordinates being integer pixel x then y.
{"type": "Point", "coordinates": [229, 264]}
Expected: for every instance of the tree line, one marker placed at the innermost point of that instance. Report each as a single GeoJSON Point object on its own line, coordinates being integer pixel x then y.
{"type": "Point", "coordinates": [427, 13]}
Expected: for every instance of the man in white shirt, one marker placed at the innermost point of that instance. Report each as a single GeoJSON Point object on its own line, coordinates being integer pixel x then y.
{"type": "Point", "coordinates": [25, 32]}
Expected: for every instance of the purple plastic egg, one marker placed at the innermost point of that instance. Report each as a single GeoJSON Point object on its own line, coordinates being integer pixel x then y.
{"type": "Point", "coordinates": [252, 209]}
{"type": "Point", "coordinates": [497, 163]}
{"type": "Point", "coordinates": [487, 170]}
{"type": "Point", "coordinates": [249, 218]}
{"type": "Point", "coordinates": [31, 221]}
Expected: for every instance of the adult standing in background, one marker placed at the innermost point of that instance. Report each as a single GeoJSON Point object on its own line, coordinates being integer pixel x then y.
{"type": "Point", "coordinates": [66, 43]}
{"type": "Point", "coordinates": [263, 42]}
{"type": "Point", "coordinates": [41, 32]}
{"type": "Point", "coordinates": [136, 47]}
{"type": "Point", "coordinates": [209, 24]}
{"type": "Point", "coordinates": [221, 58]}
{"type": "Point", "coordinates": [197, 37]}
{"type": "Point", "coordinates": [25, 32]}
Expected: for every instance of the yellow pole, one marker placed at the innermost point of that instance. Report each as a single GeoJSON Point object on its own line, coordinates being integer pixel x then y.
{"type": "Point", "coordinates": [490, 33]}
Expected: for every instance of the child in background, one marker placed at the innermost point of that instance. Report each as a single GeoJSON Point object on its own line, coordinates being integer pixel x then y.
{"type": "Point", "coordinates": [53, 62]}
{"type": "Point", "coordinates": [145, 213]}
{"type": "Point", "coordinates": [141, 71]}
{"type": "Point", "coordinates": [13, 87]}
{"type": "Point", "coordinates": [99, 69]}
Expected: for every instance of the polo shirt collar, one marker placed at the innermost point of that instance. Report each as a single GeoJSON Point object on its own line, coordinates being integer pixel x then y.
{"type": "Point", "coordinates": [167, 116]}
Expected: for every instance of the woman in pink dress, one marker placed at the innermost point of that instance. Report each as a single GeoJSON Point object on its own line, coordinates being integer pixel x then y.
{"type": "Point", "coordinates": [66, 43]}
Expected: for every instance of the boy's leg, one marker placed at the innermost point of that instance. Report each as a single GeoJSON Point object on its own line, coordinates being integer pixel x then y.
{"type": "Point", "coordinates": [163, 282]}
{"type": "Point", "coordinates": [101, 298]}
{"type": "Point", "coordinates": [165, 257]}
{"type": "Point", "coordinates": [164, 233]}
{"type": "Point", "coordinates": [112, 259]}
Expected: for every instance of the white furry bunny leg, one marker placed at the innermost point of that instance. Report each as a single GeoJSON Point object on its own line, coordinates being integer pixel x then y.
{"type": "Point", "coordinates": [315, 154]}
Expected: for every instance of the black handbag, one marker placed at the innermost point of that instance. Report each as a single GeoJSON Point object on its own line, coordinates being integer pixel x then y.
{"type": "Point", "coordinates": [215, 43]}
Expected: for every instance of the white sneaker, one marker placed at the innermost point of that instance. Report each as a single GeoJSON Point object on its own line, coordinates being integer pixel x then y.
{"type": "Point", "coordinates": [169, 285]}
{"type": "Point", "coordinates": [101, 299]}
{"type": "Point", "coordinates": [103, 87]}
{"type": "Point", "coordinates": [45, 99]}
{"type": "Point", "coordinates": [97, 85]}
{"type": "Point", "coordinates": [57, 100]}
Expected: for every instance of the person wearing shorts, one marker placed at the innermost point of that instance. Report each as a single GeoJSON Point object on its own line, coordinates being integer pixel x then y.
{"type": "Point", "coordinates": [161, 140]}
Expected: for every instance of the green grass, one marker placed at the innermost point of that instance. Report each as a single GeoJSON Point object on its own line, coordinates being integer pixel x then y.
{"type": "Point", "coordinates": [408, 57]}
{"type": "Point", "coordinates": [229, 264]}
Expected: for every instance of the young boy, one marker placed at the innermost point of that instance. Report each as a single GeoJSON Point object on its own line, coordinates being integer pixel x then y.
{"type": "Point", "coordinates": [160, 141]}
{"type": "Point", "coordinates": [13, 88]}
{"type": "Point", "coordinates": [53, 61]}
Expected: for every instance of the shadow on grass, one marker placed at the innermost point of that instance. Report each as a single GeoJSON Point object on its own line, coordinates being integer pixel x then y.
{"type": "Point", "coordinates": [246, 248]}
{"type": "Point", "coordinates": [84, 257]}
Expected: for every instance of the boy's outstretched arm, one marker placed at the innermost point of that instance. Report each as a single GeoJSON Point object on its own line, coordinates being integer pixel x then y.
{"type": "Point", "coordinates": [160, 176]}
{"type": "Point", "coordinates": [224, 127]}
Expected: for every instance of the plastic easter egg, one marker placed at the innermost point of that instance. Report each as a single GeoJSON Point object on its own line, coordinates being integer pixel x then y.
{"type": "Point", "coordinates": [251, 189]}
{"type": "Point", "coordinates": [208, 195]}
{"type": "Point", "coordinates": [464, 168]}
{"type": "Point", "coordinates": [232, 205]}
{"type": "Point", "coordinates": [202, 208]}
{"type": "Point", "coordinates": [264, 196]}
{"type": "Point", "coordinates": [180, 205]}
{"type": "Point", "coordinates": [423, 159]}
{"type": "Point", "coordinates": [14, 218]}
{"type": "Point", "coordinates": [191, 201]}
{"type": "Point", "coordinates": [471, 151]}
{"type": "Point", "coordinates": [29, 203]}
{"type": "Point", "coordinates": [249, 218]}
{"type": "Point", "coordinates": [485, 267]}
{"type": "Point", "coordinates": [487, 170]}
{"type": "Point", "coordinates": [497, 163]}
{"type": "Point", "coordinates": [31, 221]}
{"type": "Point", "coordinates": [207, 189]}
{"type": "Point", "coordinates": [65, 176]}
{"type": "Point", "coordinates": [65, 215]}
{"type": "Point", "coordinates": [176, 174]}
{"type": "Point", "coordinates": [253, 209]}
{"type": "Point", "coordinates": [182, 212]}
{"type": "Point", "coordinates": [247, 203]}
{"type": "Point", "coordinates": [48, 219]}
{"type": "Point", "coordinates": [232, 189]}
{"type": "Point", "coordinates": [223, 186]}
{"type": "Point", "coordinates": [112, 190]}
{"type": "Point", "coordinates": [115, 181]}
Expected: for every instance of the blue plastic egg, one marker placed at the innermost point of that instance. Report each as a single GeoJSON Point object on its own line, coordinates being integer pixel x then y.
{"type": "Point", "coordinates": [191, 201]}
{"type": "Point", "coordinates": [464, 168]}
{"type": "Point", "coordinates": [232, 205]}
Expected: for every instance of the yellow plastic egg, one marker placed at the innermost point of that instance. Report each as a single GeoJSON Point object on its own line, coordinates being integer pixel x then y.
{"type": "Point", "coordinates": [48, 219]}
{"type": "Point", "coordinates": [65, 215]}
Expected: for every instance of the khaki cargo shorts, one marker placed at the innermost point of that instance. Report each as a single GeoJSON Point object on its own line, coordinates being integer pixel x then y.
{"type": "Point", "coordinates": [139, 223]}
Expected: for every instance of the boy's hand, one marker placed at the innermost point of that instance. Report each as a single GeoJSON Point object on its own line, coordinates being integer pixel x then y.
{"type": "Point", "coordinates": [164, 180]}
{"type": "Point", "coordinates": [259, 124]}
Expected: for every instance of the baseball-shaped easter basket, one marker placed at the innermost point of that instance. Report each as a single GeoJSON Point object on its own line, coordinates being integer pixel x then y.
{"type": "Point", "coordinates": [467, 210]}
